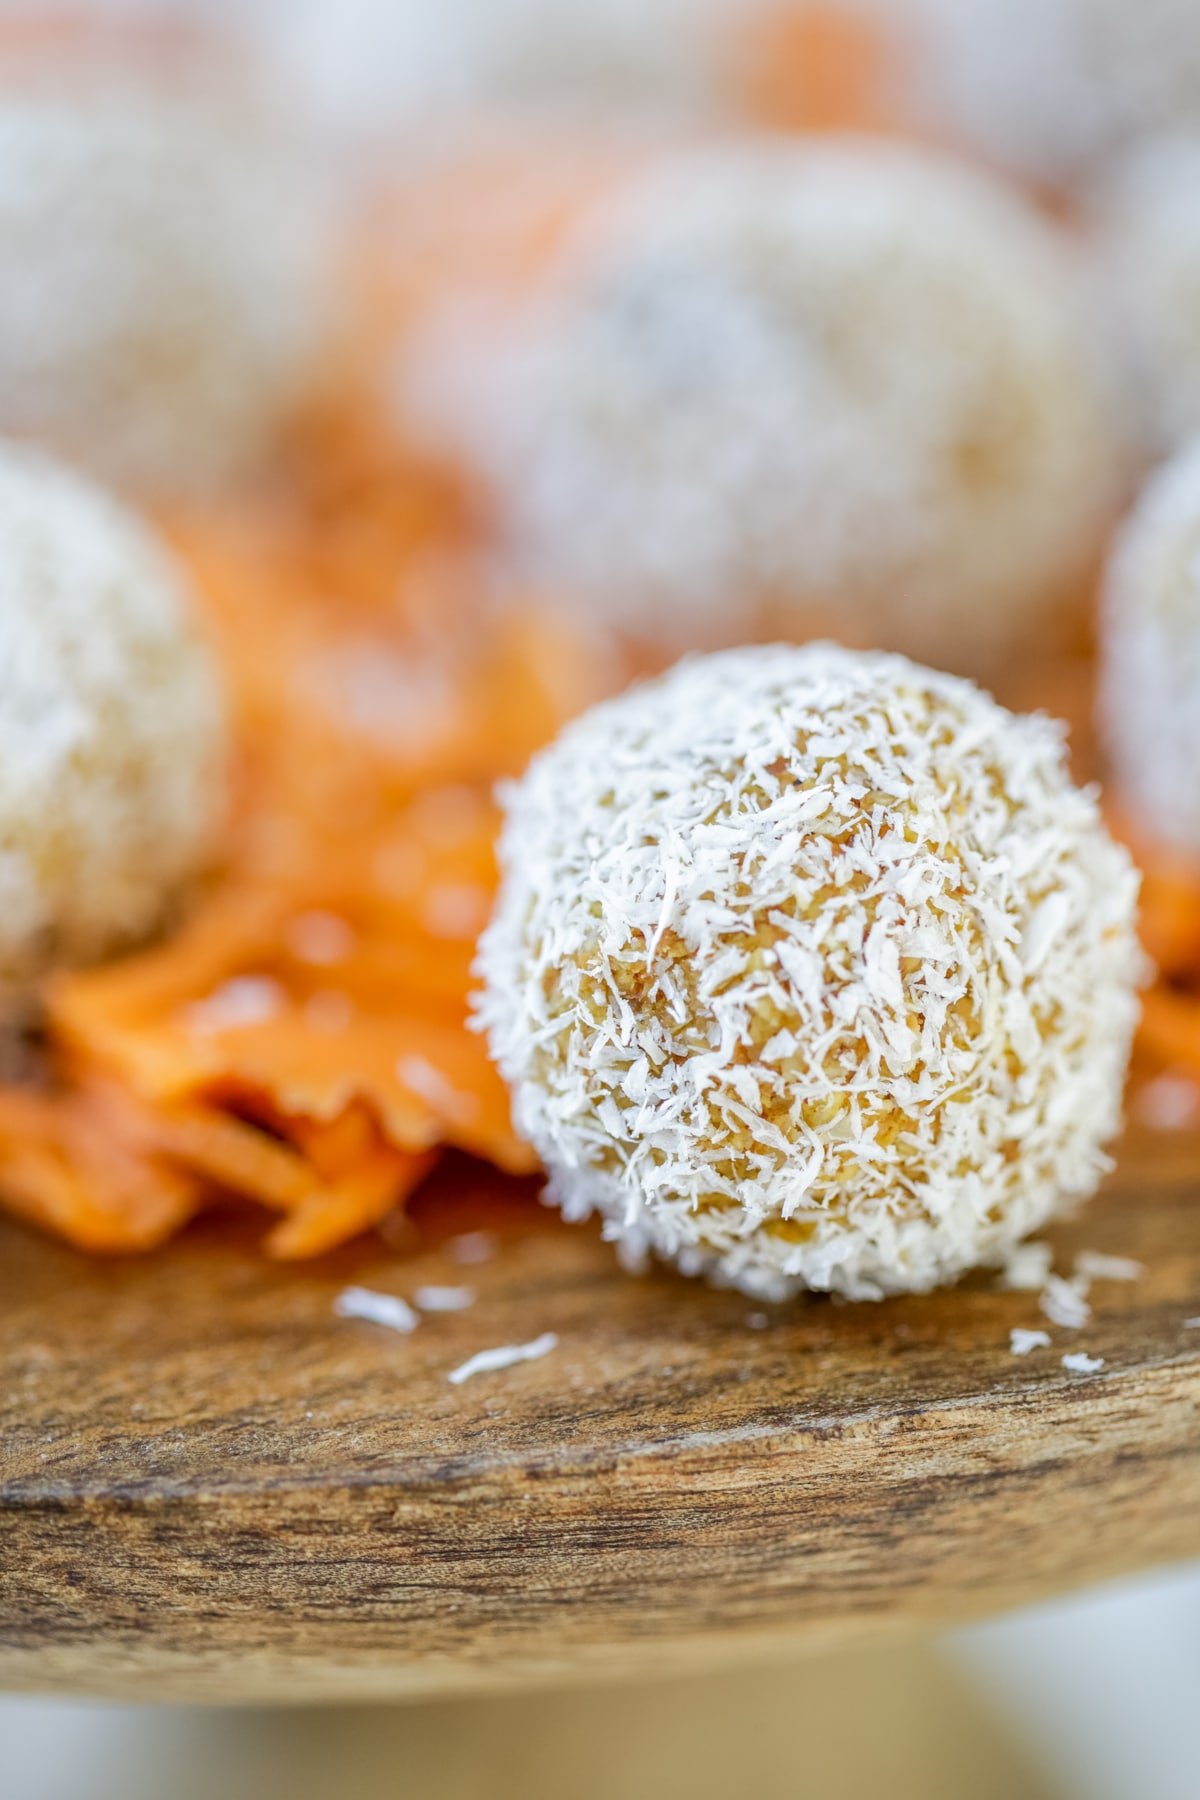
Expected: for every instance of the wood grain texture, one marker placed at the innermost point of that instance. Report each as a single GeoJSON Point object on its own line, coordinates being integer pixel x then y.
{"type": "Point", "coordinates": [212, 1487]}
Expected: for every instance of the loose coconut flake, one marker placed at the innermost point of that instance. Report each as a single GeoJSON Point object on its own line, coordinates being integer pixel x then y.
{"type": "Point", "coordinates": [444, 1299]}
{"type": "Point", "coordinates": [471, 1248]}
{"type": "Point", "coordinates": [1065, 1302]}
{"type": "Point", "coordinates": [487, 1362]}
{"type": "Point", "coordinates": [1026, 1267]}
{"type": "Point", "coordinates": [378, 1309]}
{"type": "Point", "coordinates": [1169, 1103]}
{"type": "Point", "coordinates": [1094, 1265]}
{"type": "Point", "coordinates": [1021, 1342]}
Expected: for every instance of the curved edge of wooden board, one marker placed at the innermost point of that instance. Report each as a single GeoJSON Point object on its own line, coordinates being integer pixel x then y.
{"type": "Point", "coordinates": [923, 1519]}
{"type": "Point", "coordinates": [670, 1488]}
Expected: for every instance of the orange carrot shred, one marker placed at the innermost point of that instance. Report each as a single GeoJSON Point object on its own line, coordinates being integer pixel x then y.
{"type": "Point", "coordinates": [351, 1204]}
{"type": "Point", "coordinates": [301, 1041]}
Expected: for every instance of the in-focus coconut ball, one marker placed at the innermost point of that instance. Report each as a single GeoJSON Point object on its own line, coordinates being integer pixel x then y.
{"type": "Point", "coordinates": [164, 281]}
{"type": "Point", "coordinates": [1147, 234]}
{"type": "Point", "coordinates": [783, 377]}
{"type": "Point", "coordinates": [1150, 657]}
{"type": "Point", "coordinates": [111, 727]}
{"type": "Point", "coordinates": [1055, 89]}
{"type": "Point", "coordinates": [812, 969]}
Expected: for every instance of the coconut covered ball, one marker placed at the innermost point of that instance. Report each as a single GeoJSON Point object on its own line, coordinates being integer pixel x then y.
{"type": "Point", "coordinates": [812, 969]}
{"type": "Point", "coordinates": [1148, 242]}
{"type": "Point", "coordinates": [785, 377]}
{"type": "Point", "coordinates": [386, 71]}
{"type": "Point", "coordinates": [162, 293]}
{"type": "Point", "coordinates": [1150, 657]}
{"type": "Point", "coordinates": [111, 727]}
{"type": "Point", "coordinates": [1054, 89]}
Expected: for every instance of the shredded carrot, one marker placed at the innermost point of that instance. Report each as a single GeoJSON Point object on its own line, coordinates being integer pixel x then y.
{"type": "Point", "coordinates": [1170, 909]}
{"type": "Point", "coordinates": [361, 1198]}
{"type": "Point", "coordinates": [301, 1041]}
{"type": "Point", "coordinates": [1169, 923]}
{"type": "Point", "coordinates": [67, 1166]}
{"type": "Point", "coordinates": [1170, 1029]}
{"type": "Point", "coordinates": [231, 1154]}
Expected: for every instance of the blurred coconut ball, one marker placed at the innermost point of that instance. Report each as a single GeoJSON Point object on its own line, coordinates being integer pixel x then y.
{"type": "Point", "coordinates": [111, 727]}
{"type": "Point", "coordinates": [1147, 230]}
{"type": "Point", "coordinates": [369, 70]}
{"type": "Point", "coordinates": [165, 278]}
{"type": "Point", "coordinates": [1149, 699]}
{"type": "Point", "coordinates": [777, 374]}
{"type": "Point", "coordinates": [1054, 89]}
{"type": "Point", "coordinates": [812, 969]}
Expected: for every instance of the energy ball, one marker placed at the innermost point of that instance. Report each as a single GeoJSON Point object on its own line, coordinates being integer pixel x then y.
{"type": "Point", "coordinates": [421, 69]}
{"type": "Point", "coordinates": [812, 969]}
{"type": "Point", "coordinates": [1150, 657]}
{"type": "Point", "coordinates": [837, 375]}
{"type": "Point", "coordinates": [111, 727]}
{"type": "Point", "coordinates": [163, 282]}
{"type": "Point", "coordinates": [1147, 222]}
{"type": "Point", "coordinates": [1054, 89]}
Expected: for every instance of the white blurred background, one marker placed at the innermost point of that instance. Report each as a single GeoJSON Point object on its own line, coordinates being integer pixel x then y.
{"type": "Point", "coordinates": [1090, 1699]}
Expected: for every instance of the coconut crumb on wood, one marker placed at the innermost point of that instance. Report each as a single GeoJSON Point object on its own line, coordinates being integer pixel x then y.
{"type": "Point", "coordinates": [470, 1248]}
{"type": "Point", "coordinates": [388, 1310]}
{"type": "Point", "coordinates": [1079, 1363]}
{"type": "Point", "coordinates": [1168, 1103]}
{"type": "Point", "coordinates": [504, 1356]}
{"type": "Point", "coordinates": [1065, 1302]}
{"type": "Point", "coordinates": [444, 1299]}
{"type": "Point", "coordinates": [1095, 1265]}
{"type": "Point", "coordinates": [1026, 1268]}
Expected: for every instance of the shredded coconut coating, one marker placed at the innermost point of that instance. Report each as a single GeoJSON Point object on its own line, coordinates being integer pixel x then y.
{"type": "Point", "coordinates": [111, 727]}
{"type": "Point", "coordinates": [163, 283]}
{"type": "Point", "coordinates": [1054, 89]}
{"type": "Point", "coordinates": [812, 970]}
{"type": "Point", "coordinates": [780, 374]}
{"type": "Point", "coordinates": [1147, 226]}
{"type": "Point", "coordinates": [1149, 698]}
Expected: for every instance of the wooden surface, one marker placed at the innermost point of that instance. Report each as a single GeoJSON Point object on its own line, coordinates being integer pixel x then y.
{"type": "Point", "coordinates": [212, 1487]}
